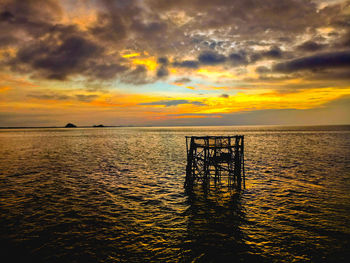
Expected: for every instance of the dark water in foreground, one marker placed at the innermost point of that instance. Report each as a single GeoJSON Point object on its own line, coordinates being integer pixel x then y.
{"type": "Point", "coordinates": [116, 195]}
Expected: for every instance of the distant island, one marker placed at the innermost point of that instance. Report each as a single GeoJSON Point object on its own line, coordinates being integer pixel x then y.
{"type": "Point", "coordinates": [70, 125]}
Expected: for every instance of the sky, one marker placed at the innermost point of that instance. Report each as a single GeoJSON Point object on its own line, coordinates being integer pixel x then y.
{"type": "Point", "coordinates": [174, 62]}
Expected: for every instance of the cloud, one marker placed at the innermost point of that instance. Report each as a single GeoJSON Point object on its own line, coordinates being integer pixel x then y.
{"type": "Point", "coordinates": [28, 18]}
{"type": "Point", "coordinates": [345, 40]}
{"type": "Point", "coordinates": [106, 71]}
{"type": "Point", "coordinates": [186, 64]}
{"type": "Point", "coordinates": [168, 103]}
{"type": "Point", "coordinates": [86, 98]}
{"type": "Point", "coordinates": [66, 52]}
{"type": "Point", "coordinates": [318, 61]}
{"type": "Point", "coordinates": [238, 59]}
{"type": "Point", "coordinates": [244, 19]}
{"type": "Point", "coordinates": [182, 80]}
{"type": "Point", "coordinates": [311, 46]}
{"type": "Point", "coordinates": [273, 53]}
{"type": "Point", "coordinates": [137, 76]}
{"type": "Point", "coordinates": [211, 58]}
{"type": "Point", "coordinates": [109, 28]}
{"type": "Point", "coordinates": [225, 96]}
{"type": "Point", "coordinates": [6, 16]}
{"type": "Point", "coordinates": [162, 71]}
{"type": "Point", "coordinates": [57, 61]}
{"type": "Point", "coordinates": [262, 70]}
{"type": "Point", "coordinates": [49, 96]}
{"type": "Point", "coordinates": [7, 40]}
{"type": "Point", "coordinates": [163, 61]}
{"type": "Point", "coordinates": [163, 30]}
{"type": "Point", "coordinates": [62, 97]}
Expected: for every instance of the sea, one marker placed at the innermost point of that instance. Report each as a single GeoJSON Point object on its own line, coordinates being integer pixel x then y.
{"type": "Point", "coordinates": [117, 195]}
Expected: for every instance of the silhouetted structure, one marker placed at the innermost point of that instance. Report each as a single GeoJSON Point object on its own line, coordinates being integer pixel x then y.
{"type": "Point", "coordinates": [99, 126]}
{"type": "Point", "coordinates": [213, 158]}
{"type": "Point", "coordinates": [70, 125]}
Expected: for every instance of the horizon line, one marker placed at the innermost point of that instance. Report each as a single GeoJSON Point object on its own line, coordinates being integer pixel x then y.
{"type": "Point", "coordinates": [155, 126]}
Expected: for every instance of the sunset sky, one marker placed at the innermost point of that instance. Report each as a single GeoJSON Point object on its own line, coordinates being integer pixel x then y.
{"type": "Point", "coordinates": [174, 62]}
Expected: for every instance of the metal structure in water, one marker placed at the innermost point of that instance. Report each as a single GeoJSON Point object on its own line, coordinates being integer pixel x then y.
{"type": "Point", "coordinates": [215, 159]}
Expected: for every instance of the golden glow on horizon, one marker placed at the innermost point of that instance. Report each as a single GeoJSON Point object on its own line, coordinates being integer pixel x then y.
{"type": "Point", "coordinates": [252, 100]}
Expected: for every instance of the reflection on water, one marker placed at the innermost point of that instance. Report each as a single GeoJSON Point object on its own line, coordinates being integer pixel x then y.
{"type": "Point", "coordinates": [116, 195]}
{"type": "Point", "coordinates": [214, 227]}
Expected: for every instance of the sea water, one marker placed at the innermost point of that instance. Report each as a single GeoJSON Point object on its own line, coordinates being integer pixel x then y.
{"type": "Point", "coordinates": [116, 195]}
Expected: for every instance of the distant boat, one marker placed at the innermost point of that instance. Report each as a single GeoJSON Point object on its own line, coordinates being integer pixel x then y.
{"type": "Point", "coordinates": [70, 125]}
{"type": "Point", "coordinates": [98, 126]}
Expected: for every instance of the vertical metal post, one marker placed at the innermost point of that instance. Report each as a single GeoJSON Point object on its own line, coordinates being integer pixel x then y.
{"type": "Point", "coordinates": [243, 161]}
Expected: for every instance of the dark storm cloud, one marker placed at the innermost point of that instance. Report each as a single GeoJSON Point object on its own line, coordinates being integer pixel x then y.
{"type": "Point", "coordinates": [186, 64]}
{"type": "Point", "coordinates": [56, 51]}
{"type": "Point", "coordinates": [227, 30]}
{"type": "Point", "coordinates": [168, 103]}
{"type": "Point", "coordinates": [211, 58]}
{"type": "Point", "coordinates": [162, 71]}
{"type": "Point", "coordinates": [6, 16]}
{"type": "Point", "coordinates": [319, 61]}
{"type": "Point", "coordinates": [58, 61]}
{"type": "Point", "coordinates": [66, 52]}
{"type": "Point", "coordinates": [336, 74]}
{"type": "Point", "coordinates": [238, 59]}
{"type": "Point", "coordinates": [310, 46]}
{"type": "Point", "coordinates": [273, 53]}
{"type": "Point", "coordinates": [163, 61]}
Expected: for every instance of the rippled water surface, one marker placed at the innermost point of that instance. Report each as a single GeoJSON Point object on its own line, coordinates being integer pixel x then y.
{"type": "Point", "coordinates": [116, 195]}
